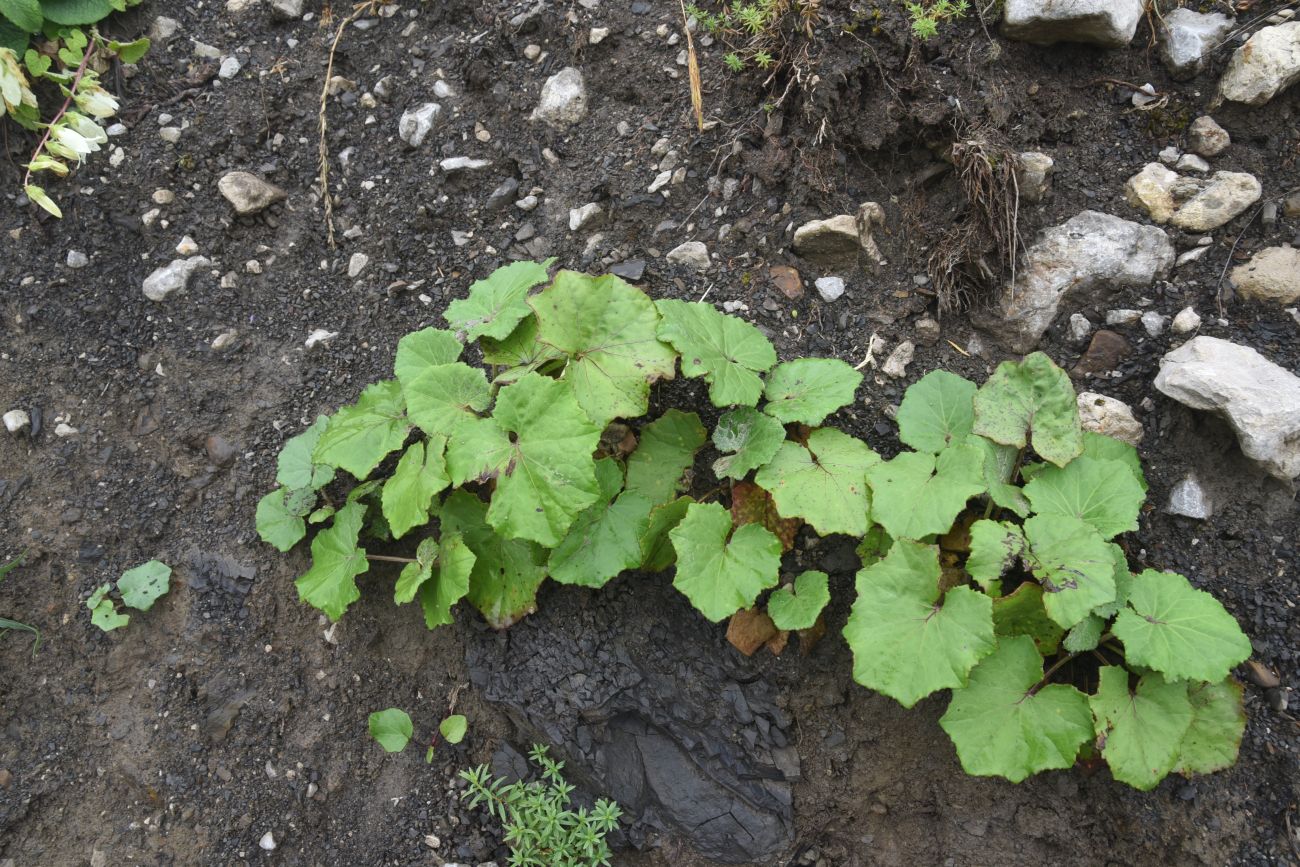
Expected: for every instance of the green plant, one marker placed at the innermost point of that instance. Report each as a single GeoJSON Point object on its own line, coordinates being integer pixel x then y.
{"type": "Point", "coordinates": [5, 623]}
{"type": "Point", "coordinates": [989, 561]}
{"type": "Point", "coordinates": [927, 14]}
{"type": "Point", "coordinates": [139, 588]}
{"type": "Point", "coordinates": [540, 827]}
{"type": "Point", "coordinates": [751, 28]}
{"type": "Point", "coordinates": [392, 728]}
{"type": "Point", "coordinates": [67, 59]}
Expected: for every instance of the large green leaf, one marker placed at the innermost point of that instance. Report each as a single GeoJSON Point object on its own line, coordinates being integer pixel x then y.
{"type": "Point", "coordinates": [76, 12]}
{"type": "Point", "coordinates": [608, 330]}
{"type": "Point", "coordinates": [1176, 629]}
{"type": "Point", "coordinates": [657, 552]}
{"type": "Point", "coordinates": [728, 352]}
{"type": "Point", "coordinates": [750, 437]}
{"type": "Point", "coordinates": [807, 390]}
{"type": "Point", "coordinates": [1022, 613]}
{"type": "Point", "coordinates": [276, 523]}
{"type": "Point", "coordinates": [1003, 727]}
{"type": "Point", "coordinates": [798, 607]}
{"type": "Point", "coordinates": [1031, 401]}
{"type": "Point", "coordinates": [999, 468]}
{"type": "Point", "coordinates": [538, 446]}
{"type": "Point", "coordinates": [1074, 565]}
{"type": "Point", "coordinates": [144, 585]}
{"type": "Point", "coordinates": [605, 539]}
{"type": "Point", "coordinates": [994, 547]}
{"type": "Point", "coordinates": [392, 728]}
{"type": "Point", "coordinates": [1218, 721]}
{"type": "Point", "coordinates": [295, 468]}
{"type": "Point", "coordinates": [918, 494]}
{"type": "Point", "coordinates": [721, 577]}
{"type": "Point", "coordinates": [905, 643]}
{"type": "Point", "coordinates": [1102, 492]}
{"type": "Point", "coordinates": [1104, 448]}
{"type": "Point", "coordinates": [506, 572]}
{"type": "Point", "coordinates": [825, 483]}
{"type": "Point", "coordinates": [665, 452]}
{"type": "Point", "coordinates": [443, 399]}
{"type": "Point", "coordinates": [937, 411]}
{"type": "Point", "coordinates": [420, 474]}
{"type": "Point", "coordinates": [25, 14]}
{"type": "Point", "coordinates": [1140, 731]}
{"type": "Point", "coordinates": [336, 561]}
{"type": "Point", "coordinates": [361, 435]}
{"type": "Point", "coordinates": [449, 581]}
{"type": "Point", "coordinates": [421, 350]}
{"type": "Point", "coordinates": [497, 303]}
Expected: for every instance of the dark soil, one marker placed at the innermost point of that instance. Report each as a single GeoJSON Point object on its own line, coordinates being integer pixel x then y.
{"type": "Point", "coordinates": [231, 710]}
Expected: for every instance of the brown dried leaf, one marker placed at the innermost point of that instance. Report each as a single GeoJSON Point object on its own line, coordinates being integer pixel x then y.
{"type": "Point", "coordinates": [1261, 675]}
{"type": "Point", "coordinates": [749, 630]}
{"type": "Point", "coordinates": [750, 504]}
{"type": "Point", "coordinates": [777, 643]}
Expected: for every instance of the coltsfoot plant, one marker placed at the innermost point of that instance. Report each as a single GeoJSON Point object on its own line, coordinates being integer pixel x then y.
{"type": "Point", "coordinates": [989, 565]}
{"type": "Point", "coordinates": [540, 828]}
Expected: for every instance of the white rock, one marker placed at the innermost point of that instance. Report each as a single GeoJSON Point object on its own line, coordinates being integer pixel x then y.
{"type": "Point", "coordinates": [1122, 316]}
{"type": "Point", "coordinates": [564, 99]}
{"type": "Point", "coordinates": [692, 254]}
{"type": "Point", "coordinates": [1266, 65]}
{"type": "Point", "coordinates": [416, 123]}
{"type": "Point", "coordinates": [443, 90]}
{"type": "Point", "coordinates": [896, 364]}
{"type": "Point", "coordinates": [320, 337]}
{"type": "Point", "coordinates": [1206, 138]}
{"type": "Point", "coordinates": [452, 165]}
{"type": "Point", "coordinates": [829, 242]}
{"type": "Point", "coordinates": [1191, 256]}
{"type": "Point", "coordinates": [1194, 204]}
{"type": "Point", "coordinates": [1083, 258]}
{"type": "Point", "coordinates": [589, 214]}
{"type": "Point", "coordinates": [1186, 321]}
{"type": "Point", "coordinates": [163, 197]}
{"type": "Point", "coordinates": [1109, 23]}
{"type": "Point", "coordinates": [229, 67]}
{"type": "Point", "coordinates": [286, 10]}
{"type": "Point", "coordinates": [163, 28]}
{"type": "Point", "coordinates": [63, 429]}
{"type": "Point", "coordinates": [661, 180]}
{"type": "Point", "coordinates": [1259, 399]}
{"type": "Point", "coordinates": [16, 421]}
{"type": "Point", "coordinates": [1188, 37]}
{"type": "Point", "coordinates": [1109, 417]}
{"type": "Point", "coordinates": [225, 340]}
{"type": "Point", "coordinates": [248, 193]}
{"type": "Point", "coordinates": [1169, 155]}
{"type": "Point", "coordinates": [1034, 175]}
{"type": "Point", "coordinates": [77, 259]}
{"type": "Point", "coordinates": [597, 35]}
{"type": "Point", "coordinates": [357, 263]}
{"type": "Point", "coordinates": [1154, 323]}
{"type": "Point", "coordinates": [267, 843]}
{"type": "Point", "coordinates": [170, 134]}
{"type": "Point", "coordinates": [829, 288]}
{"type": "Point", "coordinates": [1192, 162]}
{"type": "Point", "coordinates": [172, 278]}
{"type": "Point", "coordinates": [527, 203]}
{"type": "Point", "coordinates": [1189, 499]}
{"type": "Point", "coordinates": [187, 246]}
{"type": "Point", "coordinates": [1272, 274]}
{"type": "Point", "coordinates": [1080, 328]}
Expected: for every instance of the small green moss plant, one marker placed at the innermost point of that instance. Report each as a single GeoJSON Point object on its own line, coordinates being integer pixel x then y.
{"type": "Point", "coordinates": [749, 29]}
{"type": "Point", "coordinates": [928, 14]}
{"type": "Point", "coordinates": [540, 827]}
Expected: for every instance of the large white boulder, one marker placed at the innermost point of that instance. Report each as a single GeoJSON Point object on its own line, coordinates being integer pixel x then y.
{"type": "Point", "coordinates": [1192, 203]}
{"type": "Point", "coordinates": [1187, 38]}
{"type": "Point", "coordinates": [1108, 23]}
{"type": "Point", "coordinates": [1265, 66]}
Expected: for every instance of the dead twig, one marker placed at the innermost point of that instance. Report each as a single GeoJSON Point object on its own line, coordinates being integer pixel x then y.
{"type": "Point", "coordinates": [693, 70]}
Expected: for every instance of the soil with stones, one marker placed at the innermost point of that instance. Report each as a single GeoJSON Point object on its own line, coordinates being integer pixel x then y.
{"type": "Point", "coordinates": [231, 712]}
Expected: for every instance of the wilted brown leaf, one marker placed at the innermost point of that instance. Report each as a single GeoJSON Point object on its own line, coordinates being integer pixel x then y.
{"type": "Point", "coordinates": [749, 630]}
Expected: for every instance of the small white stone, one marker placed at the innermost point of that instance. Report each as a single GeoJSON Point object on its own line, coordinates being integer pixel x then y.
{"type": "Point", "coordinates": [588, 214]}
{"type": "Point", "coordinates": [225, 340]}
{"type": "Point", "coordinates": [1192, 163]}
{"type": "Point", "coordinates": [1080, 328]}
{"type": "Point", "coordinates": [416, 123]}
{"type": "Point", "coordinates": [77, 259]}
{"type": "Point", "coordinates": [357, 263]}
{"type": "Point", "coordinates": [63, 429]}
{"type": "Point", "coordinates": [462, 164]}
{"type": "Point", "coordinates": [1186, 321]}
{"type": "Point", "coordinates": [267, 843]}
{"type": "Point", "coordinates": [896, 364]}
{"type": "Point", "coordinates": [597, 35]}
{"type": "Point", "coordinates": [229, 67]}
{"type": "Point", "coordinates": [170, 134]}
{"type": "Point", "coordinates": [187, 246]}
{"type": "Point", "coordinates": [1122, 317]}
{"type": "Point", "coordinates": [252, 266]}
{"type": "Point", "coordinates": [1169, 156]}
{"type": "Point", "coordinates": [442, 89]}
{"type": "Point", "coordinates": [829, 288]}
{"type": "Point", "coordinates": [692, 253]}
{"type": "Point", "coordinates": [116, 130]}
{"type": "Point", "coordinates": [527, 203]}
{"type": "Point", "coordinates": [1154, 323]}
{"type": "Point", "coordinates": [163, 197]}
{"type": "Point", "coordinates": [16, 421]}
{"type": "Point", "coordinates": [1189, 499]}
{"type": "Point", "coordinates": [532, 52]}
{"type": "Point", "coordinates": [320, 337]}
{"type": "Point", "coordinates": [661, 180]}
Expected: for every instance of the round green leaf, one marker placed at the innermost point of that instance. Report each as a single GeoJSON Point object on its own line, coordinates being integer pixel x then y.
{"type": "Point", "coordinates": [359, 436]}
{"type": "Point", "coordinates": [728, 352]}
{"type": "Point", "coordinates": [506, 573]}
{"type": "Point", "coordinates": [420, 474]}
{"type": "Point", "coordinates": [824, 483]}
{"type": "Point", "coordinates": [421, 350]}
{"type": "Point", "coordinates": [1104, 448]}
{"type": "Point", "coordinates": [905, 643]}
{"type": "Point", "coordinates": [1102, 492]}
{"type": "Point", "coordinates": [497, 303]}
{"type": "Point", "coordinates": [608, 330]}
{"type": "Point", "coordinates": [1074, 565]}
{"type": "Point", "coordinates": [1085, 635]}
{"type": "Point", "coordinates": [1140, 731]}
{"type": "Point", "coordinates": [276, 524]}
{"type": "Point", "coordinates": [1218, 721]}
{"type": "Point", "coordinates": [295, 467]}
{"type": "Point", "coordinates": [443, 399]}
{"type": "Point", "coordinates": [807, 390]}
{"type": "Point", "coordinates": [453, 728]}
{"type": "Point", "coordinates": [330, 584]}
{"type": "Point", "coordinates": [1002, 728]}
{"type": "Point", "coordinates": [142, 586]}
{"type": "Point", "coordinates": [665, 452]}
{"type": "Point", "coordinates": [721, 577]}
{"type": "Point", "coordinates": [937, 411]}
{"type": "Point", "coordinates": [103, 613]}
{"type": "Point", "coordinates": [392, 729]}
{"type": "Point", "coordinates": [1031, 398]}
{"type": "Point", "coordinates": [751, 436]}
{"type": "Point", "coordinates": [1178, 630]}
{"type": "Point", "coordinates": [415, 574]}
{"type": "Point", "coordinates": [918, 494]}
{"type": "Point", "coordinates": [799, 608]}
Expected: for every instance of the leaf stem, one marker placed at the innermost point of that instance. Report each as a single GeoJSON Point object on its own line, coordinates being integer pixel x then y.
{"type": "Point", "coordinates": [386, 559]}
{"type": "Point", "coordinates": [49, 128]}
{"type": "Point", "coordinates": [1061, 663]}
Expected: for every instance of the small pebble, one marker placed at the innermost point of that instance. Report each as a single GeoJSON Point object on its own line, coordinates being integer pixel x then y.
{"type": "Point", "coordinates": [77, 259]}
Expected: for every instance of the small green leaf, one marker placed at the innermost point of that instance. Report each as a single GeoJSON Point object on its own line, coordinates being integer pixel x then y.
{"type": "Point", "coordinates": [1022, 613]}
{"type": "Point", "coordinates": [1123, 584]}
{"type": "Point", "coordinates": [415, 574]}
{"type": "Point", "coordinates": [1000, 463]}
{"type": "Point", "coordinates": [1031, 399]}
{"type": "Point", "coordinates": [905, 643]}
{"type": "Point", "coordinates": [142, 586]}
{"type": "Point", "coordinates": [721, 577]}
{"type": "Point", "coordinates": [657, 552]}
{"type": "Point", "coordinates": [605, 539]}
{"type": "Point", "coordinates": [295, 467]}
{"type": "Point", "coordinates": [1100, 492]}
{"type": "Point", "coordinates": [39, 196]}
{"type": "Point", "coordinates": [917, 494]}
{"type": "Point", "coordinates": [359, 436]}
{"type": "Point", "coordinates": [1085, 635]}
{"type": "Point", "coordinates": [753, 437]}
{"type": "Point", "coordinates": [392, 728]}
{"type": "Point", "coordinates": [422, 350]}
{"type": "Point", "coordinates": [1002, 727]}
{"type": "Point", "coordinates": [608, 330]}
{"type": "Point", "coordinates": [453, 728]}
{"type": "Point", "coordinates": [276, 524]}
{"type": "Point", "coordinates": [1178, 630]}
{"type": "Point", "coordinates": [666, 451]}
{"type": "Point", "coordinates": [420, 474]}
{"type": "Point", "coordinates": [442, 400]}
{"type": "Point", "coordinates": [874, 545]}
{"type": "Point", "coordinates": [824, 483]}
{"type": "Point", "coordinates": [451, 582]}
{"type": "Point", "coordinates": [994, 547]}
{"type": "Point", "coordinates": [807, 390]}
{"type": "Point", "coordinates": [506, 573]}
{"type": "Point", "coordinates": [800, 606]}
{"type": "Point", "coordinates": [103, 613]}
{"type": "Point", "coordinates": [497, 303]}
{"type": "Point", "coordinates": [330, 584]}
{"type": "Point", "coordinates": [130, 52]}
{"type": "Point", "coordinates": [1218, 721]}
{"type": "Point", "coordinates": [520, 353]}
{"type": "Point", "coordinates": [728, 352]}
{"type": "Point", "coordinates": [1140, 731]}
{"type": "Point", "coordinates": [1074, 565]}
{"type": "Point", "coordinates": [937, 411]}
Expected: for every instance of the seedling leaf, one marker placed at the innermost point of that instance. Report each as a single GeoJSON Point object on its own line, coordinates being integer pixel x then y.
{"type": "Point", "coordinates": [392, 728]}
{"type": "Point", "coordinates": [453, 728]}
{"type": "Point", "coordinates": [1031, 400]}
{"type": "Point", "coordinates": [497, 303]}
{"type": "Point", "coordinates": [359, 436]}
{"type": "Point", "coordinates": [1140, 731]}
{"type": "Point", "coordinates": [330, 584]}
{"type": "Point", "coordinates": [800, 606]}
{"type": "Point", "coordinates": [825, 483]}
{"type": "Point", "coordinates": [752, 437]}
{"type": "Point", "coordinates": [917, 494]}
{"type": "Point", "coordinates": [666, 451]}
{"type": "Point", "coordinates": [720, 577]}
{"type": "Point", "coordinates": [937, 411]}
{"type": "Point", "coordinates": [519, 353]}
{"type": "Point", "coordinates": [807, 390]}
{"type": "Point", "coordinates": [999, 467]}
{"type": "Point", "coordinates": [295, 468]}
{"type": "Point", "coordinates": [142, 586]}
{"type": "Point", "coordinates": [728, 352]}
{"type": "Point", "coordinates": [103, 612]}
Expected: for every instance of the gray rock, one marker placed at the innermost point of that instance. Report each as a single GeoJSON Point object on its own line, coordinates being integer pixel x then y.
{"type": "Point", "coordinates": [1206, 138]}
{"type": "Point", "coordinates": [896, 364]}
{"type": "Point", "coordinates": [1108, 23]}
{"type": "Point", "coordinates": [829, 288]}
{"type": "Point", "coordinates": [172, 278]}
{"type": "Point", "coordinates": [1083, 258]}
{"type": "Point", "coordinates": [248, 193]}
{"type": "Point", "coordinates": [1187, 38]}
{"type": "Point", "coordinates": [1154, 323]}
{"type": "Point", "coordinates": [692, 254]}
{"type": "Point", "coordinates": [163, 29]}
{"type": "Point", "coordinates": [1189, 499]}
{"type": "Point", "coordinates": [564, 99]}
{"type": "Point", "coordinates": [1193, 163]}
{"type": "Point", "coordinates": [588, 216]}
{"type": "Point", "coordinates": [503, 195]}
{"type": "Point", "coordinates": [77, 259]}
{"type": "Point", "coordinates": [286, 10]}
{"type": "Point", "coordinates": [1122, 316]}
{"type": "Point", "coordinates": [1272, 274]}
{"type": "Point", "coordinates": [1259, 399]}
{"type": "Point", "coordinates": [632, 269]}
{"type": "Point", "coordinates": [1265, 66]}
{"type": "Point", "coordinates": [416, 123]}
{"type": "Point", "coordinates": [833, 241]}
{"type": "Point", "coordinates": [357, 263]}
{"type": "Point", "coordinates": [1169, 155]}
{"type": "Point", "coordinates": [1194, 204]}
{"type": "Point", "coordinates": [1109, 417]}
{"type": "Point", "coordinates": [1080, 328]}
{"type": "Point", "coordinates": [1034, 176]}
